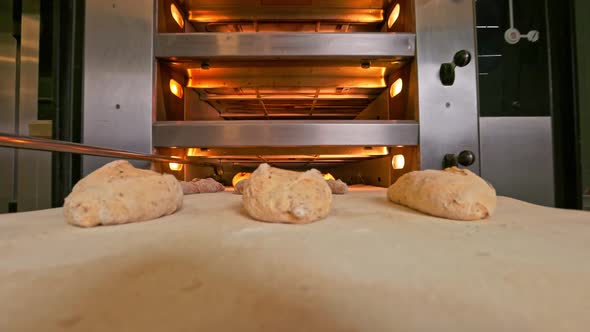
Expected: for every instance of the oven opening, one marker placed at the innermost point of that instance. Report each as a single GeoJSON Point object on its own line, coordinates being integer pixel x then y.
{"type": "Point", "coordinates": [286, 67]}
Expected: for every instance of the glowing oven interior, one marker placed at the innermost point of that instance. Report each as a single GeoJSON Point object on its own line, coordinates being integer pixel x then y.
{"type": "Point", "coordinates": [305, 88]}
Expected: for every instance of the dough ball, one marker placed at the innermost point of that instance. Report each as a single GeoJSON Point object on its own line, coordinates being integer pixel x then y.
{"type": "Point", "coordinates": [119, 193]}
{"type": "Point", "coordinates": [338, 187]}
{"type": "Point", "coordinates": [239, 187]}
{"type": "Point", "coordinates": [201, 186]}
{"type": "Point", "coordinates": [452, 193]}
{"type": "Point", "coordinates": [277, 195]}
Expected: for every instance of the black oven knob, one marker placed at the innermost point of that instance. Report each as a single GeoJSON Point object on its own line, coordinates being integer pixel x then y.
{"type": "Point", "coordinates": [447, 70]}
{"type": "Point", "coordinates": [447, 74]}
{"type": "Point", "coordinates": [464, 158]}
{"type": "Point", "coordinates": [462, 58]}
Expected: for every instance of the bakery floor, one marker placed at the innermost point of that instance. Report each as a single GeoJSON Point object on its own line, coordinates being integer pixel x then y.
{"type": "Point", "coordinates": [370, 266]}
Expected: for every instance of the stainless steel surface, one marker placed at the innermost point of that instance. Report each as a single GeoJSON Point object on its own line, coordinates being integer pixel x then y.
{"type": "Point", "coordinates": [40, 144]}
{"type": "Point", "coordinates": [281, 76]}
{"type": "Point", "coordinates": [286, 14]}
{"type": "Point", "coordinates": [374, 172]}
{"type": "Point", "coordinates": [284, 133]}
{"type": "Point", "coordinates": [517, 157]}
{"type": "Point", "coordinates": [191, 4]}
{"type": "Point", "coordinates": [448, 115]}
{"type": "Point", "coordinates": [377, 110]}
{"type": "Point", "coordinates": [118, 77]}
{"type": "Point", "coordinates": [281, 45]}
{"type": "Point", "coordinates": [283, 15]}
{"type": "Point", "coordinates": [7, 101]}
{"type": "Point", "coordinates": [289, 157]}
{"type": "Point", "coordinates": [582, 30]}
{"type": "Point", "coordinates": [34, 167]}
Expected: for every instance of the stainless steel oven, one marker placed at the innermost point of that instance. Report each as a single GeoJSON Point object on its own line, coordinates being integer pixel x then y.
{"type": "Point", "coordinates": [364, 90]}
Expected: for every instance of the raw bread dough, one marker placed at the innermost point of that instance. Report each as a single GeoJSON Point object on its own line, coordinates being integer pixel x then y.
{"type": "Point", "coordinates": [119, 193]}
{"type": "Point", "coordinates": [453, 193]}
{"type": "Point", "coordinates": [239, 187]}
{"type": "Point", "coordinates": [201, 186]}
{"type": "Point", "coordinates": [277, 195]}
{"type": "Point", "coordinates": [338, 187]}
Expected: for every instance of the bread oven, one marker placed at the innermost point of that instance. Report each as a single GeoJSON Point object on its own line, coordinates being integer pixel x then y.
{"type": "Point", "coordinates": [363, 90]}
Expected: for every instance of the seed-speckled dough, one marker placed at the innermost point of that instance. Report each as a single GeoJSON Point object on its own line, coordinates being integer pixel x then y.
{"type": "Point", "coordinates": [338, 187]}
{"type": "Point", "coordinates": [277, 195]}
{"type": "Point", "coordinates": [201, 186]}
{"type": "Point", "coordinates": [452, 193]}
{"type": "Point", "coordinates": [119, 193]}
{"type": "Point", "coordinates": [240, 186]}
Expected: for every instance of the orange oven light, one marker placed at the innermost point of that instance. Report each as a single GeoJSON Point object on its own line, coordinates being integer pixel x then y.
{"type": "Point", "coordinates": [398, 161]}
{"type": "Point", "coordinates": [177, 16]}
{"type": "Point", "coordinates": [329, 176]}
{"type": "Point", "coordinates": [239, 177]}
{"type": "Point", "coordinates": [393, 16]}
{"type": "Point", "coordinates": [396, 88]}
{"type": "Point", "coordinates": [176, 88]}
{"type": "Point", "coordinates": [175, 166]}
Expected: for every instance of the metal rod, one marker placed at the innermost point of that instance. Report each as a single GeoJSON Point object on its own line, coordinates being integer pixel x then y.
{"type": "Point", "coordinates": [31, 143]}
{"type": "Point", "coordinates": [511, 9]}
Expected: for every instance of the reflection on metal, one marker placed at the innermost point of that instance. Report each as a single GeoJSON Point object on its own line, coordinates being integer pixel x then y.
{"type": "Point", "coordinates": [287, 81]}
{"type": "Point", "coordinates": [34, 180]}
{"type": "Point", "coordinates": [8, 47]}
{"type": "Point", "coordinates": [287, 77]}
{"type": "Point", "coordinates": [283, 45]}
{"type": "Point", "coordinates": [285, 14]}
{"type": "Point", "coordinates": [517, 157]}
{"type": "Point", "coordinates": [377, 110]}
{"type": "Point", "coordinates": [295, 160]}
{"type": "Point", "coordinates": [287, 97]}
{"type": "Point", "coordinates": [314, 151]}
{"type": "Point", "coordinates": [194, 4]}
{"type": "Point", "coordinates": [39, 144]}
{"type": "Point", "coordinates": [284, 133]}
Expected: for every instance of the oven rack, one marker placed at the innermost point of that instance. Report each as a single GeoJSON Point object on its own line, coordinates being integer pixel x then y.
{"type": "Point", "coordinates": [272, 133]}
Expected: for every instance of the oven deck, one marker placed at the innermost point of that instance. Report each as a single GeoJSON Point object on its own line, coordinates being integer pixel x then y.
{"type": "Point", "coordinates": [370, 266]}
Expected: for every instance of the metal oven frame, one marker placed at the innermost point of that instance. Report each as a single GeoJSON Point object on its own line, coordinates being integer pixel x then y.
{"type": "Point", "coordinates": [123, 45]}
{"type": "Point", "coordinates": [121, 58]}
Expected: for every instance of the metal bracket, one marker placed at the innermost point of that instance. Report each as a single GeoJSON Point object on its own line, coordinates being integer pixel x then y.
{"type": "Point", "coordinates": [513, 35]}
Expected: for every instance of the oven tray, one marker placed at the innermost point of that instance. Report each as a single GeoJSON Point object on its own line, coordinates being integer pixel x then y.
{"type": "Point", "coordinates": [370, 266]}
